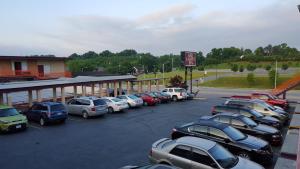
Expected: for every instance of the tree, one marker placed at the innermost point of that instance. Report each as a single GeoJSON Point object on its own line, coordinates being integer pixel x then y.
{"type": "Point", "coordinates": [251, 67]}
{"type": "Point", "coordinates": [176, 80]}
{"type": "Point", "coordinates": [234, 68]}
{"type": "Point", "coordinates": [241, 69]}
{"type": "Point", "coordinates": [284, 66]}
{"type": "Point", "coordinates": [268, 67]}
{"type": "Point", "coordinates": [250, 79]}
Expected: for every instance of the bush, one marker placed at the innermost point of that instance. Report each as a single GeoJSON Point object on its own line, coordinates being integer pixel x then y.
{"type": "Point", "coordinates": [251, 79]}
{"type": "Point", "coordinates": [272, 74]}
{"type": "Point", "coordinates": [268, 67]}
{"type": "Point", "coordinates": [234, 67]}
{"type": "Point", "coordinates": [241, 69]}
{"type": "Point", "coordinates": [201, 68]}
{"type": "Point", "coordinates": [176, 80]}
{"type": "Point", "coordinates": [284, 66]}
{"type": "Point", "coordinates": [251, 67]}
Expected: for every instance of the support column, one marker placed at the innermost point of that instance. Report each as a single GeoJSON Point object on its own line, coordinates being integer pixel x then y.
{"type": "Point", "coordinates": [30, 98]}
{"type": "Point", "coordinates": [63, 98]}
{"type": "Point", "coordinates": [1, 98]}
{"type": "Point", "coordinates": [9, 100]}
{"type": "Point", "coordinates": [93, 89]}
{"type": "Point", "coordinates": [107, 89]}
{"type": "Point", "coordinates": [139, 87]}
{"type": "Point", "coordinates": [100, 90]}
{"type": "Point", "coordinates": [115, 89]}
{"type": "Point", "coordinates": [39, 95]}
{"type": "Point", "coordinates": [157, 85]}
{"type": "Point", "coordinates": [54, 94]}
{"type": "Point", "coordinates": [128, 87]}
{"type": "Point", "coordinates": [83, 90]}
{"type": "Point", "coordinates": [75, 91]}
{"type": "Point", "coordinates": [149, 86]}
{"type": "Point", "coordinates": [120, 88]}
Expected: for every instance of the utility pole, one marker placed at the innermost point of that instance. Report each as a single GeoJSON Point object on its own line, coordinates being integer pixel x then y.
{"type": "Point", "coordinates": [275, 81]}
{"type": "Point", "coordinates": [163, 69]}
{"type": "Point", "coordinates": [172, 63]}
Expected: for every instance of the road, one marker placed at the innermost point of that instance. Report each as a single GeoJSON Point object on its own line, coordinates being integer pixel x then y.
{"type": "Point", "coordinates": [100, 143]}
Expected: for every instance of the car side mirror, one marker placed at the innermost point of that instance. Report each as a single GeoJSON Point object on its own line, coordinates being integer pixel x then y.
{"type": "Point", "coordinates": [227, 140]}
{"type": "Point", "coordinates": [252, 117]}
{"type": "Point", "coordinates": [266, 109]}
{"type": "Point", "coordinates": [245, 126]}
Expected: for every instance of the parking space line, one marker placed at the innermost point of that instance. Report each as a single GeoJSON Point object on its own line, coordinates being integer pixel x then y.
{"type": "Point", "coordinates": [34, 126]}
{"type": "Point", "coordinates": [200, 98]}
{"type": "Point", "coordinates": [74, 119]}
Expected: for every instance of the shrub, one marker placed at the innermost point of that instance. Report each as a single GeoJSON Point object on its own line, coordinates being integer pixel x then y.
{"type": "Point", "coordinates": [268, 67]}
{"type": "Point", "coordinates": [241, 69]}
{"type": "Point", "coordinates": [176, 80]}
{"type": "Point", "coordinates": [234, 67]}
{"type": "Point", "coordinates": [284, 66]}
{"type": "Point", "coordinates": [251, 67]}
{"type": "Point", "coordinates": [251, 79]}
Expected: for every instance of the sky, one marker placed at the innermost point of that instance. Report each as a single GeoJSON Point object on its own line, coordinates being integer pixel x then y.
{"type": "Point", "coordinates": [63, 27]}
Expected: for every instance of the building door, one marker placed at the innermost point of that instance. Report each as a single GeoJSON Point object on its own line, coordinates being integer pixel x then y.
{"type": "Point", "coordinates": [41, 70]}
{"type": "Point", "coordinates": [18, 68]}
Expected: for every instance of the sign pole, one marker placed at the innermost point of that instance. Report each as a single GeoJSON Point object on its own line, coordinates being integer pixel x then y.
{"type": "Point", "coordinates": [191, 76]}
{"type": "Point", "coordinates": [185, 75]}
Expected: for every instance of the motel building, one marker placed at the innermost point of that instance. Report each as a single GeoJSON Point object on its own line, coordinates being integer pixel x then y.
{"type": "Point", "coordinates": [32, 68]}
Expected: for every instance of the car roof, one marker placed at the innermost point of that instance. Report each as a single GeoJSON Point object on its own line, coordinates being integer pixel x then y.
{"type": "Point", "coordinates": [196, 142]}
{"type": "Point", "coordinates": [233, 106]}
{"type": "Point", "coordinates": [2, 106]}
{"type": "Point", "coordinates": [241, 100]}
{"type": "Point", "coordinates": [48, 103]}
{"type": "Point", "coordinates": [89, 97]}
{"type": "Point", "coordinates": [230, 114]}
{"type": "Point", "coordinates": [209, 123]}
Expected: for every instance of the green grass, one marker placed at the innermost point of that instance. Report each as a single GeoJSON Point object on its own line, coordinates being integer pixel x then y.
{"type": "Point", "coordinates": [241, 82]}
{"type": "Point", "coordinates": [196, 74]}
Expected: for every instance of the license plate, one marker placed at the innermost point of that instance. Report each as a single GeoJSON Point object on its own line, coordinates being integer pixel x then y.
{"type": "Point", "coordinates": [18, 126]}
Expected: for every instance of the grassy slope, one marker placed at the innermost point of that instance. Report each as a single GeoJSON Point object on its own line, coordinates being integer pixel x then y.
{"type": "Point", "coordinates": [259, 64]}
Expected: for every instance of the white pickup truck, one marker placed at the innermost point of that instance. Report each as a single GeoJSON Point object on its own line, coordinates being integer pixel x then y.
{"type": "Point", "coordinates": [176, 93]}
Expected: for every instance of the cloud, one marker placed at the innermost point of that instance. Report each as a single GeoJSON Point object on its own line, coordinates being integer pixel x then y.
{"type": "Point", "coordinates": [175, 29]}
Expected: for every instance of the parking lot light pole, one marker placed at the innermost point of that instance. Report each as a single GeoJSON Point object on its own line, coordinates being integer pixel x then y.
{"type": "Point", "coordinates": [275, 81]}
{"type": "Point", "coordinates": [163, 69]}
{"type": "Point", "coordinates": [299, 8]}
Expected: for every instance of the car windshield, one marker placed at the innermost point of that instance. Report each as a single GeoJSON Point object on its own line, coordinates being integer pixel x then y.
{"type": "Point", "coordinates": [116, 100]}
{"type": "Point", "coordinates": [57, 107]}
{"type": "Point", "coordinates": [8, 112]}
{"type": "Point", "coordinates": [223, 157]}
{"type": "Point", "coordinates": [256, 113]}
{"type": "Point", "coordinates": [249, 122]}
{"type": "Point", "coordinates": [132, 97]}
{"type": "Point", "coordinates": [152, 94]}
{"type": "Point", "coordinates": [99, 102]}
{"type": "Point", "coordinates": [265, 105]}
{"type": "Point", "coordinates": [234, 133]}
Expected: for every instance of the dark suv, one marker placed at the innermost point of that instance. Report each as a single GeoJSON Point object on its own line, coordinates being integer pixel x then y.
{"type": "Point", "coordinates": [236, 142]}
{"type": "Point", "coordinates": [248, 126]}
{"type": "Point", "coordinates": [248, 112]}
{"type": "Point", "coordinates": [46, 112]}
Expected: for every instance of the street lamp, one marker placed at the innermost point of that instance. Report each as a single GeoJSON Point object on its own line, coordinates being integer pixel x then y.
{"type": "Point", "coordinates": [299, 8]}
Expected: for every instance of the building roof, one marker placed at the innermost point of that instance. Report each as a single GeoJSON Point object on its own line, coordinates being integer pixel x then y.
{"type": "Point", "coordinates": [33, 58]}
{"type": "Point", "coordinates": [62, 82]}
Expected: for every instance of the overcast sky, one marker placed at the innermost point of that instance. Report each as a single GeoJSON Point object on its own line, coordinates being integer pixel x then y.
{"type": "Point", "coordinates": [63, 27]}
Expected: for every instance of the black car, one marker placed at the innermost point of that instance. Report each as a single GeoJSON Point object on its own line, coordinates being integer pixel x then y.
{"type": "Point", "coordinates": [248, 112]}
{"type": "Point", "coordinates": [248, 126]}
{"type": "Point", "coordinates": [235, 141]}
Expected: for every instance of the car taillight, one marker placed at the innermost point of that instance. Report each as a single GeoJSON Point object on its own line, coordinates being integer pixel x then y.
{"type": "Point", "coordinates": [93, 109]}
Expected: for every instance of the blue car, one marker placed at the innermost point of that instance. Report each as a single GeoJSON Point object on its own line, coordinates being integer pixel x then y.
{"type": "Point", "coordinates": [46, 112]}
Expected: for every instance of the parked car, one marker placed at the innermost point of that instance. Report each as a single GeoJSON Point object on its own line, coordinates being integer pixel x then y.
{"type": "Point", "coordinates": [111, 92]}
{"type": "Point", "coordinates": [236, 142]}
{"type": "Point", "coordinates": [11, 119]}
{"type": "Point", "coordinates": [273, 100]}
{"type": "Point", "coordinates": [176, 93]}
{"type": "Point", "coordinates": [262, 108]}
{"type": "Point", "coordinates": [147, 99]}
{"type": "Point", "coordinates": [47, 112]}
{"type": "Point", "coordinates": [190, 96]}
{"type": "Point", "coordinates": [132, 100]}
{"type": "Point", "coordinates": [157, 166]}
{"type": "Point", "coordinates": [115, 104]}
{"type": "Point", "coordinates": [196, 153]}
{"type": "Point", "coordinates": [248, 126]}
{"type": "Point", "coordinates": [87, 106]}
{"type": "Point", "coordinates": [248, 112]}
{"type": "Point", "coordinates": [164, 98]}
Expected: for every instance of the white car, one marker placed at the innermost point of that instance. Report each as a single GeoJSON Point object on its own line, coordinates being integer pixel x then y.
{"type": "Point", "coordinates": [132, 100]}
{"type": "Point", "coordinates": [176, 93]}
{"type": "Point", "coordinates": [115, 104]}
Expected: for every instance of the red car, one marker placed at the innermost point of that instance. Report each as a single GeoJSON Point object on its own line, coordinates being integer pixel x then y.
{"type": "Point", "coordinates": [147, 99]}
{"type": "Point", "coordinates": [273, 100]}
{"type": "Point", "coordinates": [268, 98]}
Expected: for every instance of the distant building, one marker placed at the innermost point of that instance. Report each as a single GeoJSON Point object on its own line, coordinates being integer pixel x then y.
{"type": "Point", "coordinates": [32, 67]}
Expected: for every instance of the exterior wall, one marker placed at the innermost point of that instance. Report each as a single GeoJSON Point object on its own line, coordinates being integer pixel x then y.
{"type": "Point", "coordinates": [32, 67]}
{"type": "Point", "coordinates": [55, 66]}
{"type": "Point", "coordinates": [6, 68]}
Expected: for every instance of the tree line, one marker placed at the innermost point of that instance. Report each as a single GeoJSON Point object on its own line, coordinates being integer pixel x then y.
{"type": "Point", "coordinates": [128, 60]}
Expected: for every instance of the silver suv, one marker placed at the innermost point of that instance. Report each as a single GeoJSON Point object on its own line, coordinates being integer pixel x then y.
{"type": "Point", "coordinates": [87, 106]}
{"type": "Point", "coordinates": [196, 153]}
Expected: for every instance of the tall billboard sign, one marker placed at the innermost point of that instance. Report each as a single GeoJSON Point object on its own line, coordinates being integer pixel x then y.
{"type": "Point", "coordinates": [188, 59]}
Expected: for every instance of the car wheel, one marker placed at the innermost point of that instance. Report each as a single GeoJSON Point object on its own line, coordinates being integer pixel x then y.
{"type": "Point", "coordinates": [244, 155]}
{"type": "Point", "coordinates": [42, 121]}
{"type": "Point", "coordinates": [174, 98]}
{"type": "Point", "coordinates": [110, 110]}
{"type": "Point", "coordinates": [145, 104]}
{"type": "Point", "coordinates": [85, 115]}
{"type": "Point", "coordinates": [165, 163]}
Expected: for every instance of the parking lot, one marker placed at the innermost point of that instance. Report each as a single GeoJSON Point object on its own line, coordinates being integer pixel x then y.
{"type": "Point", "coordinates": [107, 142]}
